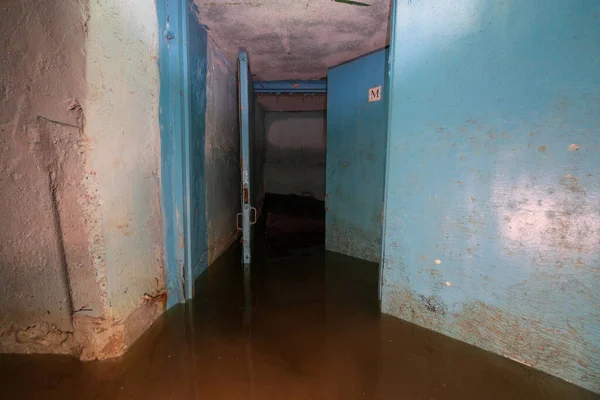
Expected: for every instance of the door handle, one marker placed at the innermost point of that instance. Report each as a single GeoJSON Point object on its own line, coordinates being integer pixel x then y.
{"type": "Point", "coordinates": [237, 221]}
{"type": "Point", "coordinates": [252, 222]}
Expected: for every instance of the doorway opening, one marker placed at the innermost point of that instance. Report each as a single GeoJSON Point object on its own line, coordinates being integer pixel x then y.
{"type": "Point", "coordinates": [313, 156]}
{"type": "Point", "coordinates": [294, 169]}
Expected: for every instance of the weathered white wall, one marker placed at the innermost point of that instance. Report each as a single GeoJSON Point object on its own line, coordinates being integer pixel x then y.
{"type": "Point", "coordinates": [42, 74]}
{"type": "Point", "coordinates": [222, 152]}
{"type": "Point", "coordinates": [81, 242]}
{"type": "Point", "coordinates": [292, 102]}
{"type": "Point", "coordinates": [122, 130]}
{"type": "Point", "coordinates": [295, 153]}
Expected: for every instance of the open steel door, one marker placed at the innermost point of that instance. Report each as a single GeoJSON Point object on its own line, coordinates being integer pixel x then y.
{"type": "Point", "coordinates": [246, 102]}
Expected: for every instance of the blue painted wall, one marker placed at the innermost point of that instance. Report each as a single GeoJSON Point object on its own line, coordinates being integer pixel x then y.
{"type": "Point", "coordinates": [172, 116]}
{"type": "Point", "coordinates": [492, 231]}
{"type": "Point", "coordinates": [356, 148]}
{"type": "Point", "coordinates": [197, 58]}
{"type": "Point", "coordinates": [183, 68]}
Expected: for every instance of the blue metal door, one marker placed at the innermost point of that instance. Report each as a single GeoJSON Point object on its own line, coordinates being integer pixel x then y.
{"type": "Point", "coordinates": [356, 148]}
{"type": "Point", "coordinates": [248, 214]}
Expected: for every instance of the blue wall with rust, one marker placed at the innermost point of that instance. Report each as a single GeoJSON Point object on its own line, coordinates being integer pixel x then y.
{"type": "Point", "coordinates": [171, 117]}
{"type": "Point", "coordinates": [492, 220]}
{"type": "Point", "coordinates": [198, 58]}
{"type": "Point", "coordinates": [183, 68]}
{"type": "Point", "coordinates": [356, 146]}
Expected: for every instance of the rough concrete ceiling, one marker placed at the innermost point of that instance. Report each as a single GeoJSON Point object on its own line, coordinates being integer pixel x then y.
{"type": "Point", "coordinates": [295, 39]}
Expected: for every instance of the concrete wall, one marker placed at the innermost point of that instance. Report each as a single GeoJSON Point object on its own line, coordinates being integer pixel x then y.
{"type": "Point", "coordinates": [80, 180]}
{"type": "Point", "coordinates": [492, 211]}
{"type": "Point", "coordinates": [295, 153]}
{"type": "Point", "coordinates": [259, 154]}
{"type": "Point", "coordinates": [222, 149]}
{"type": "Point", "coordinates": [42, 73]}
{"type": "Point", "coordinates": [295, 40]}
{"type": "Point", "coordinates": [356, 148]}
{"type": "Point", "coordinates": [292, 102]}
{"type": "Point", "coordinates": [121, 111]}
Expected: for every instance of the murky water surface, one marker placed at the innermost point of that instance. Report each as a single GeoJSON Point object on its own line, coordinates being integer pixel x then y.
{"type": "Point", "coordinates": [308, 329]}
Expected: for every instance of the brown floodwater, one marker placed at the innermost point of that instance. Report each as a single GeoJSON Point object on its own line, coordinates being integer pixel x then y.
{"type": "Point", "coordinates": [309, 328]}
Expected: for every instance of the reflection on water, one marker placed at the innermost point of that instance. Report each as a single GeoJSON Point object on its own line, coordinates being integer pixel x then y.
{"type": "Point", "coordinates": [304, 326]}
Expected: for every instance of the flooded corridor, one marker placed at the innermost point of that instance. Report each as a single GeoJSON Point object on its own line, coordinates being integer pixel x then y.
{"type": "Point", "coordinates": [313, 331]}
{"type": "Point", "coordinates": [396, 174]}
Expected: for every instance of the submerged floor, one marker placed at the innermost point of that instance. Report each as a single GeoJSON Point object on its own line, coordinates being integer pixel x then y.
{"type": "Point", "coordinates": [314, 332]}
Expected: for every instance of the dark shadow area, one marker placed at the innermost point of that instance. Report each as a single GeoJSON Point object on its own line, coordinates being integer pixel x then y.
{"type": "Point", "coordinates": [292, 222]}
{"type": "Point", "coordinates": [307, 326]}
